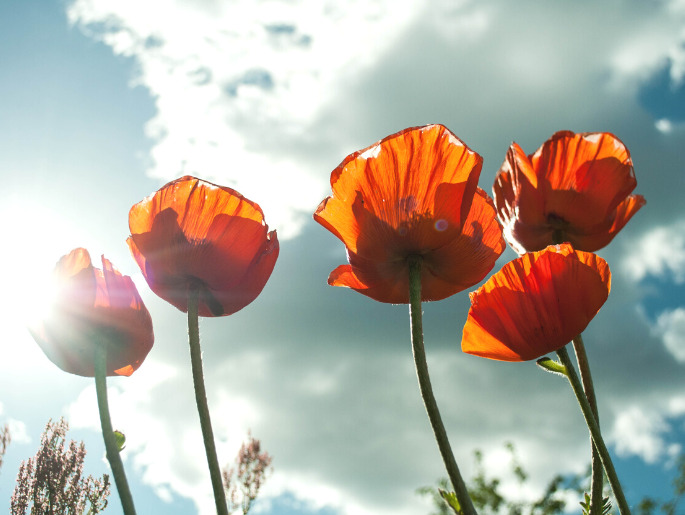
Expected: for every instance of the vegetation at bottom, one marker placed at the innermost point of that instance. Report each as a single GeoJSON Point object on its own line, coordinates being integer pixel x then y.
{"type": "Point", "coordinates": [486, 492]}
{"type": "Point", "coordinates": [52, 482]}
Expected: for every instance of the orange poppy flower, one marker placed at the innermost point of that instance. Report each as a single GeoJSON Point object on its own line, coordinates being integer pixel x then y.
{"type": "Point", "coordinates": [94, 307]}
{"type": "Point", "coordinates": [412, 193]}
{"type": "Point", "coordinates": [575, 188]}
{"type": "Point", "coordinates": [192, 233]}
{"type": "Point", "coordinates": [536, 304]}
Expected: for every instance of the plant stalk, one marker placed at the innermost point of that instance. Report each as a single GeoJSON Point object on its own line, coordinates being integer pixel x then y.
{"type": "Point", "coordinates": [201, 401]}
{"type": "Point", "coordinates": [594, 431]}
{"type": "Point", "coordinates": [111, 448]}
{"type": "Point", "coordinates": [597, 482]}
{"type": "Point", "coordinates": [427, 391]}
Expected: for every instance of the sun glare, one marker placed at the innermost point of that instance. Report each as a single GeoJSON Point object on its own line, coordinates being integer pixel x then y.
{"type": "Point", "coordinates": [37, 239]}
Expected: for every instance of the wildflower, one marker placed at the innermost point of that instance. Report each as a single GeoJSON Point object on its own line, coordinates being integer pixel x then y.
{"type": "Point", "coordinates": [244, 480]}
{"type": "Point", "coordinates": [536, 304]}
{"type": "Point", "coordinates": [575, 188]}
{"type": "Point", "coordinates": [192, 233]}
{"type": "Point", "coordinates": [92, 308]}
{"type": "Point", "coordinates": [412, 194]}
{"type": "Point", "coordinates": [53, 482]}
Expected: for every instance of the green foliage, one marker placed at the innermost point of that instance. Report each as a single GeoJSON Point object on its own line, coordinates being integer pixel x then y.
{"type": "Point", "coordinates": [585, 504]}
{"type": "Point", "coordinates": [120, 439]}
{"type": "Point", "coordinates": [52, 482]}
{"type": "Point", "coordinates": [552, 366]}
{"type": "Point", "coordinates": [451, 499]}
{"type": "Point", "coordinates": [437, 498]}
{"type": "Point", "coordinates": [484, 492]}
{"type": "Point", "coordinates": [487, 499]}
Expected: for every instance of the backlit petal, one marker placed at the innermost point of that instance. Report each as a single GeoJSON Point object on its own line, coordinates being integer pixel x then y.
{"type": "Point", "coordinates": [571, 189]}
{"type": "Point", "coordinates": [395, 182]}
{"type": "Point", "coordinates": [194, 233]}
{"type": "Point", "coordinates": [92, 308]}
{"type": "Point", "coordinates": [463, 262]}
{"type": "Point", "coordinates": [536, 304]}
{"type": "Point", "coordinates": [413, 193]}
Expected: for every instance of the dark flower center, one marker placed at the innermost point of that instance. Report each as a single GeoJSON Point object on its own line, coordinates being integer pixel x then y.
{"type": "Point", "coordinates": [559, 227]}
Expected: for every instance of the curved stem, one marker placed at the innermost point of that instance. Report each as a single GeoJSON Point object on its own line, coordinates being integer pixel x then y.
{"type": "Point", "coordinates": [427, 391]}
{"type": "Point", "coordinates": [111, 448]}
{"type": "Point", "coordinates": [596, 499]}
{"type": "Point", "coordinates": [201, 401]}
{"type": "Point", "coordinates": [594, 431]}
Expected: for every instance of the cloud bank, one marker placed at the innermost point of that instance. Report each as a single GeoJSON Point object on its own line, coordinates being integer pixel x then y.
{"type": "Point", "coordinates": [268, 97]}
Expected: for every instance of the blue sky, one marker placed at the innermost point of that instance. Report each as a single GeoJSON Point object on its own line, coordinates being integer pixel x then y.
{"type": "Point", "coordinates": [102, 103]}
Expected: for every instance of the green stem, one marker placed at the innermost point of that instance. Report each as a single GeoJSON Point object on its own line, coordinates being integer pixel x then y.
{"type": "Point", "coordinates": [427, 391]}
{"type": "Point", "coordinates": [597, 484]}
{"type": "Point", "coordinates": [111, 448]}
{"type": "Point", "coordinates": [201, 401]}
{"type": "Point", "coordinates": [593, 426]}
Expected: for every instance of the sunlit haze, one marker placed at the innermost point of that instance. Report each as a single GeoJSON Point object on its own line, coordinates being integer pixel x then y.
{"type": "Point", "coordinates": [102, 103]}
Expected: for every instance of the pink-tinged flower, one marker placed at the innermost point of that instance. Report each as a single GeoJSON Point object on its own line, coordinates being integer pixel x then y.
{"type": "Point", "coordinates": [92, 308]}
{"type": "Point", "coordinates": [413, 193]}
{"type": "Point", "coordinates": [193, 233]}
{"type": "Point", "coordinates": [575, 188]}
{"type": "Point", "coordinates": [536, 304]}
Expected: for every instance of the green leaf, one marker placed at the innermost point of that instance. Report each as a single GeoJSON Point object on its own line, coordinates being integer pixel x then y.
{"type": "Point", "coordinates": [120, 439]}
{"type": "Point", "coordinates": [552, 366]}
{"type": "Point", "coordinates": [606, 505]}
{"type": "Point", "coordinates": [451, 500]}
{"type": "Point", "coordinates": [585, 504]}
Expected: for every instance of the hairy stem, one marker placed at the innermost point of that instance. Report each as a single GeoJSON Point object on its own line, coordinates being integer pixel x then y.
{"type": "Point", "coordinates": [201, 401]}
{"type": "Point", "coordinates": [111, 448]}
{"type": "Point", "coordinates": [597, 484]}
{"type": "Point", "coordinates": [427, 391]}
{"type": "Point", "coordinates": [594, 430]}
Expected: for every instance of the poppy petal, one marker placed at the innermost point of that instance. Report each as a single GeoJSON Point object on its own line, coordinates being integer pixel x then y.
{"type": "Point", "coordinates": [253, 281]}
{"type": "Point", "coordinates": [395, 182]}
{"type": "Point", "coordinates": [600, 235]}
{"type": "Point", "coordinates": [413, 193]}
{"type": "Point", "coordinates": [536, 304]}
{"type": "Point", "coordinates": [580, 182]}
{"type": "Point", "coordinates": [464, 261]}
{"type": "Point", "coordinates": [195, 233]}
{"type": "Point", "coordinates": [475, 250]}
{"type": "Point", "coordinates": [520, 207]}
{"type": "Point", "coordinates": [75, 279]}
{"type": "Point", "coordinates": [92, 308]}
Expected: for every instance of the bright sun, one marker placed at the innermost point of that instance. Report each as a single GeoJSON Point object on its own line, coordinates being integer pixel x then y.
{"type": "Point", "coordinates": [35, 239]}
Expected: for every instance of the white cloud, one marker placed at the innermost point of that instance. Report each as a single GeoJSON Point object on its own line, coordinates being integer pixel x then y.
{"type": "Point", "coordinates": [18, 431]}
{"type": "Point", "coordinates": [664, 125]}
{"type": "Point", "coordinates": [639, 431]}
{"type": "Point", "coordinates": [660, 252]}
{"type": "Point", "coordinates": [676, 406]}
{"type": "Point", "coordinates": [246, 91]}
{"type": "Point", "coordinates": [670, 326]}
{"type": "Point", "coordinates": [647, 428]}
{"type": "Point", "coordinates": [268, 97]}
{"type": "Point", "coordinates": [238, 84]}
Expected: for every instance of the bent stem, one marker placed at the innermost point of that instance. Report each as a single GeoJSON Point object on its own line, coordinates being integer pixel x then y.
{"type": "Point", "coordinates": [596, 500]}
{"type": "Point", "coordinates": [426, 389]}
{"type": "Point", "coordinates": [111, 447]}
{"type": "Point", "coordinates": [597, 482]}
{"type": "Point", "coordinates": [201, 401]}
{"type": "Point", "coordinates": [592, 425]}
